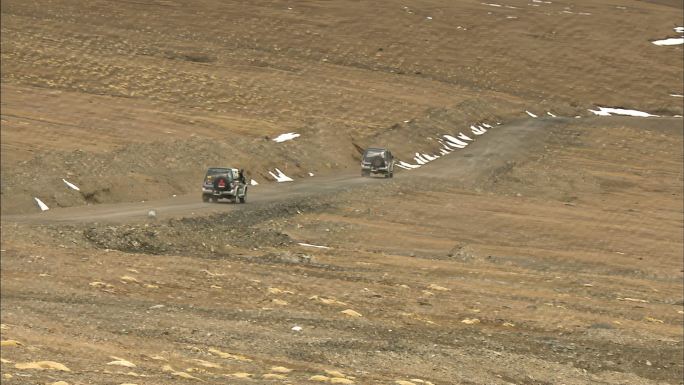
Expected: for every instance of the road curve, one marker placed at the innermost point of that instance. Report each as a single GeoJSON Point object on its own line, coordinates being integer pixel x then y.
{"type": "Point", "coordinates": [489, 151]}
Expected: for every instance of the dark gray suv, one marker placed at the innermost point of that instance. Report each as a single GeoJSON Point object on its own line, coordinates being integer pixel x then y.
{"type": "Point", "coordinates": [377, 161]}
{"type": "Point", "coordinates": [224, 183]}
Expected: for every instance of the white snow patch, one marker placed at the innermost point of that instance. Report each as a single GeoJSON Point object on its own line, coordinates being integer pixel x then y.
{"type": "Point", "coordinates": [310, 245]}
{"type": "Point", "coordinates": [285, 137]}
{"type": "Point", "coordinates": [530, 114]}
{"type": "Point", "coordinates": [407, 165]}
{"type": "Point", "coordinates": [444, 152]}
{"type": "Point", "coordinates": [311, 174]}
{"type": "Point", "coordinates": [670, 41]}
{"type": "Point", "coordinates": [551, 114]}
{"type": "Point", "coordinates": [492, 5]}
{"type": "Point", "coordinates": [280, 176]}
{"type": "Point", "coordinates": [486, 125]}
{"type": "Point", "coordinates": [43, 206]}
{"type": "Point", "coordinates": [679, 29]}
{"type": "Point", "coordinates": [605, 111]}
{"type": "Point", "coordinates": [677, 95]}
{"type": "Point", "coordinates": [420, 160]}
{"type": "Point", "coordinates": [464, 137]}
{"type": "Point", "coordinates": [455, 141]}
{"type": "Point", "coordinates": [253, 182]}
{"type": "Point", "coordinates": [477, 130]}
{"type": "Point", "coordinates": [71, 185]}
{"type": "Point", "coordinates": [430, 158]}
{"type": "Point", "coordinates": [454, 145]}
{"type": "Point", "coordinates": [296, 328]}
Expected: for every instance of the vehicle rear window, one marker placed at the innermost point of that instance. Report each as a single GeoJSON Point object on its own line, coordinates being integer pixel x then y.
{"type": "Point", "coordinates": [212, 172]}
{"type": "Point", "coordinates": [372, 153]}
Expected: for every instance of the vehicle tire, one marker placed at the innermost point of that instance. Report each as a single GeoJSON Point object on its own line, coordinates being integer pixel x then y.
{"type": "Point", "coordinates": [378, 162]}
{"type": "Point", "coordinates": [217, 183]}
{"type": "Point", "coordinates": [205, 198]}
{"type": "Point", "coordinates": [391, 174]}
{"type": "Point", "coordinates": [214, 199]}
{"type": "Point", "coordinates": [243, 199]}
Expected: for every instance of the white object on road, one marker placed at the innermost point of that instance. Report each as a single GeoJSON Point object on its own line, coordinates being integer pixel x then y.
{"type": "Point", "coordinates": [297, 328]}
{"type": "Point", "coordinates": [606, 111]}
{"type": "Point", "coordinates": [670, 41]}
{"type": "Point", "coordinates": [280, 176]}
{"type": "Point", "coordinates": [551, 114]}
{"type": "Point", "coordinates": [316, 246]}
{"type": "Point", "coordinates": [253, 182]}
{"type": "Point", "coordinates": [43, 206]}
{"type": "Point", "coordinates": [286, 137]}
{"type": "Point", "coordinates": [530, 114]}
{"type": "Point", "coordinates": [71, 185]}
{"type": "Point", "coordinates": [311, 174]}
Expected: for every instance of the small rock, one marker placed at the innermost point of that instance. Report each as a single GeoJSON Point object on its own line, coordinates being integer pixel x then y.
{"type": "Point", "coordinates": [241, 375]}
{"type": "Point", "coordinates": [280, 369]}
{"type": "Point", "coordinates": [337, 380]}
{"type": "Point", "coordinates": [273, 376]}
{"type": "Point", "coordinates": [42, 365]}
{"type": "Point", "coordinates": [351, 313]}
{"type": "Point", "coordinates": [319, 378]}
{"type": "Point", "coordinates": [127, 278]}
{"type": "Point", "coordinates": [121, 362]}
{"type": "Point", "coordinates": [471, 321]}
{"type": "Point", "coordinates": [10, 343]}
{"type": "Point", "coordinates": [335, 373]}
{"type": "Point", "coordinates": [437, 287]}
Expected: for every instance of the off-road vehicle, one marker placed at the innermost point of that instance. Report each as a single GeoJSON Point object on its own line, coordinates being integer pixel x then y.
{"type": "Point", "coordinates": [224, 183]}
{"type": "Point", "coordinates": [377, 161]}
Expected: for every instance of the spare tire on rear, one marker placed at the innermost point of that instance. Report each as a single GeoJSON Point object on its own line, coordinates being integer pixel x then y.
{"type": "Point", "coordinates": [378, 162]}
{"type": "Point", "coordinates": [221, 183]}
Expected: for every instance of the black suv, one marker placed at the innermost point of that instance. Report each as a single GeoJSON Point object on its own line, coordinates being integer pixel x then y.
{"type": "Point", "coordinates": [226, 183]}
{"type": "Point", "coordinates": [377, 161]}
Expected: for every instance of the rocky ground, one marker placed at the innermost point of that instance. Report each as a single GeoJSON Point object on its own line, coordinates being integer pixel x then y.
{"type": "Point", "coordinates": [548, 251]}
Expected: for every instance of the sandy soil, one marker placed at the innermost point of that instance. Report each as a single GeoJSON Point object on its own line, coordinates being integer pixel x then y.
{"type": "Point", "coordinates": [548, 251]}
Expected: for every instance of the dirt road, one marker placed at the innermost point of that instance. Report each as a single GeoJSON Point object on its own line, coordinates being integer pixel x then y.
{"type": "Point", "coordinates": [500, 145]}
